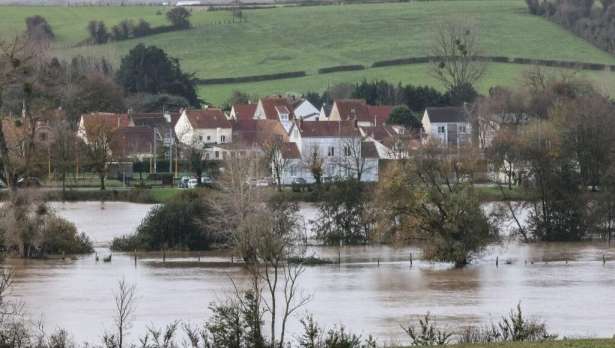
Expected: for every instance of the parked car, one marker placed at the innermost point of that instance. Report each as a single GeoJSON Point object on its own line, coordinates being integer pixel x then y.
{"type": "Point", "coordinates": [207, 180]}
{"type": "Point", "coordinates": [299, 184]}
{"type": "Point", "coordinates": [28, 182]}
{"type": "Point", "coordinates": [262, 183]}
{"type": "Point", "coordinates": [183, 182]}
{"type": "Point", "coordinates": [192, 183]}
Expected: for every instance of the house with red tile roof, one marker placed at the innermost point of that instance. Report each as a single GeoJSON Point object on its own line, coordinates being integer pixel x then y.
{"type": "Point", "coordinates": [242, 111]}
{"type": "Point", "coordinates": [203, 127]}
{"type": "Point", "coordinates": [108, 120]}
{"type": "Point", "coordinates": [276, 108]}
{"type": "Point", "coordinates": [358, 109]}
{"type": "Point", "coordinates": [339, 147]}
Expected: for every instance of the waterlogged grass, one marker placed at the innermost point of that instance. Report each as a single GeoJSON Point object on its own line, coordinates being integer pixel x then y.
{"type": "Point", "coordinates": [164, 194]}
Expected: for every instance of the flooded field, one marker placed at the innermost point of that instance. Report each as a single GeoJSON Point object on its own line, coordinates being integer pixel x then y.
{"type": "Point", "coordinates": [374, 290]}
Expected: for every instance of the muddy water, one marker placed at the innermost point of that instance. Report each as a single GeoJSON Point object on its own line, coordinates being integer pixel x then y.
{"type": "Point", "coordinates": [373, 291]}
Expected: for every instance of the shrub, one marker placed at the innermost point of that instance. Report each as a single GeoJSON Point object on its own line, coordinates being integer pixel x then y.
{"type": "Point", "coordinates": [514, 328]}
{"type": "Point", "coordinates": [344, 214]}
{"type": "Point", "coordinates": [37, 28]}
{"type": "Point", "coordinates": [427, 334]}
{"type": "Point", "coordinates": [60, 236]}
{"type": "Point", "coordinates": [180, 224]}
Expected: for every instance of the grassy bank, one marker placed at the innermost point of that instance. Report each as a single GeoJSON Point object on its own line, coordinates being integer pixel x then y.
{"type": "Point", "coordinates": [307, 38]}
{"type": "Point", "coordinates": [553, 344]}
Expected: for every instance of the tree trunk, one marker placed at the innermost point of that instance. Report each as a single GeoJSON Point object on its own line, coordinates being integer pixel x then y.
{"type": "Point", "coordinates": [102, 182]}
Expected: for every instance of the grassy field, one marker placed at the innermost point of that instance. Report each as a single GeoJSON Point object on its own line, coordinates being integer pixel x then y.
{"type": "Point", "coordinates": [308, 38]}
{"type": "Point", "coordinates": [497, 74]}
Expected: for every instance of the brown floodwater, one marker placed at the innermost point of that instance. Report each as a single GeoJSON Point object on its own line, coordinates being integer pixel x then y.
{"type": "Point", "coordinates": [373, 291]}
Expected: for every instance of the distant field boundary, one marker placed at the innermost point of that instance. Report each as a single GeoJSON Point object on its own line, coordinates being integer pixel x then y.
{"type": "Point", "coordinates": [409, 61]}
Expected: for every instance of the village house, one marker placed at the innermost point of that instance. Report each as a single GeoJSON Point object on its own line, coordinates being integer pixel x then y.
{"type": "Point", "coordinates": [358, 109]}
{"type": "Point", "coordinates": [306, 111]}
{"type": "Point", "coordinates": [242, 111]}
{"type": "Point", "coordinates": [200, 128]}
{"type": "Point", "coordinates": [110, 121]}
{"type": "Point", "coordinates": [449, 126]}
{"type": "Point", "coordinates": [275, 108]}
{"type": "Point", "coordinates": [337, 147]}
{"type": "Point", "coordinates": [250, 137]}
{"type": "Point", "coordinates": [392, 142]}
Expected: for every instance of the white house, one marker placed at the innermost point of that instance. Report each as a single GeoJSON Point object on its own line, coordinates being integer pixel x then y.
{"type": "Point", "coordinates": [306, 111]}
{"type": "Point", "coordinates": [203, 127]}
{"type": "Point", "coordinates": [337, 146]}
{"type": "Point", "coordinates": [449, 125]}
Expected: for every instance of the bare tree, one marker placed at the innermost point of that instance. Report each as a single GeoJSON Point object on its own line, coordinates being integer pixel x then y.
{"type": "Point", "coordinates": [124, 300]}
{"type": "Point", "coordinates": [314, 161]}
{"type": "Point", "coordinates": [22, 68]}
{"type": "Point", "coordinates": [98, 146]}
{"type": "Point", "coordinates": [275, 156]}
{"type": "Point", "coordinates": [272, 234]}
{"type": "Point", "coordinates": [63, 150]}
{"type": "Point", "coordinates": [352, 158]}
{"type": "Point", "coordinates": [456, 52]}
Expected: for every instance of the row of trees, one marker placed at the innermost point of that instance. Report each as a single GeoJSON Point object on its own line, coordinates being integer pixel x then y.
{"type": "Point", "coordinates": [589, 19]}
{"type": "Point", "coordinates": [98, 32]}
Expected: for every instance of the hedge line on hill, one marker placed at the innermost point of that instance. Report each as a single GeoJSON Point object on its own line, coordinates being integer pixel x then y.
{"type": "Point", "coordinates": [340, 68]}
{"type": "Point", "coordinates": [408, 61]}
{"type": "Point", "coordinates": [501, 59]}
{"type": "Point", "coordinates": [253, 78]}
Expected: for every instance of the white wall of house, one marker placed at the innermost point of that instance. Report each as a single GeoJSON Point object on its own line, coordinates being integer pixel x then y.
{"type": "Point", "coordinates": [337, 161]}
{"type": "Point", "coordinates": [307, 111]}
{"type": "Point", "coordinates": [439, 131]}
{"type": "Point", "coordinates": [259, 114]}
{"type": "Point", "coordinates": [200, 137]}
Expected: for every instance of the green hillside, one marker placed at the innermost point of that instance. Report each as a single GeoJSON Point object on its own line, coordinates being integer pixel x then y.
{"type": "Point", "coordinates": [310, 37]}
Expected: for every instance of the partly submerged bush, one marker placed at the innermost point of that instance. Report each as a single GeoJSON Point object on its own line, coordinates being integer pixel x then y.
{"type": "Point", "coordinates": [183, 223]}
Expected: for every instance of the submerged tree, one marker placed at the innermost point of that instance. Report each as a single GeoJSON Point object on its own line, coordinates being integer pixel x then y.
{"type": "Point", "coordinates": [432, 199]}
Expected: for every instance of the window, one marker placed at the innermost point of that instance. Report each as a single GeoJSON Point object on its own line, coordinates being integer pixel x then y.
{"type": "Point", "coordinates": [331, 151]}
{"type": "Point", "coordinates": [441, 129]}
{"type": "Point", "coordinates": [217, 154]}
{"type": "Point", "coordinates": [283, 117]}
{"type": "Point", "coordinates": [462, 129]}
{"type": "Point", "coordinates": [207, 156]}
{"type": "Point", "coordinates": [347, 151]}
{"type": "Point", "coordinates": [208, 138]}
{"type": "Point", "coordinates": [201, 138]}
{"type": "Point", "coordinates": [222, 139]}
{"type": "Point", "coordinates": [292, 170]}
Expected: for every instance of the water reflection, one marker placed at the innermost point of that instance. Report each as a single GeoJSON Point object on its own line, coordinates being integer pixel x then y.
{"type": "Point", "coordinates": [373, 291]}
